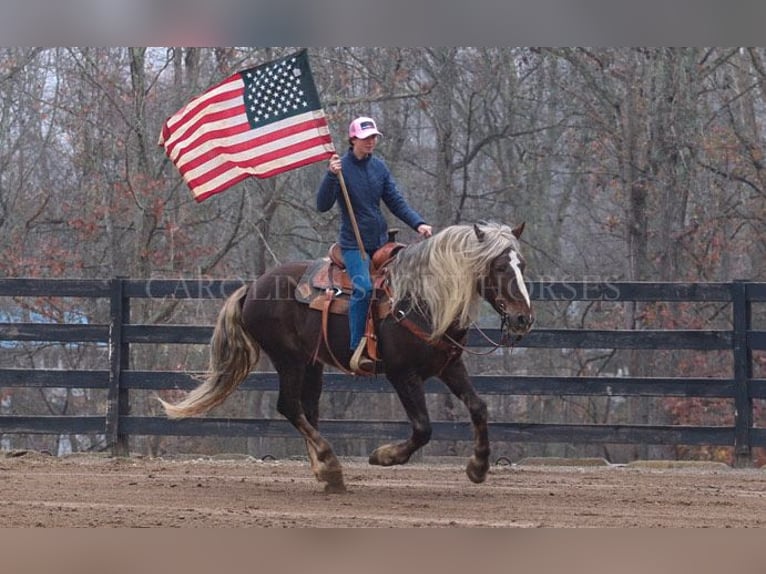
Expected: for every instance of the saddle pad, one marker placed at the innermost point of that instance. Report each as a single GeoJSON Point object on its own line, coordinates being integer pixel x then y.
{"type": "Point", "coordinates": [320, 276]}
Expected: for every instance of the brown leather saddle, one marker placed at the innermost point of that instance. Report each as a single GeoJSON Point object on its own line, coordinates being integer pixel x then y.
{"type": "Point", "coordinates": [327, 278]}
{"type": "Point", "coordinates": [326, 286]}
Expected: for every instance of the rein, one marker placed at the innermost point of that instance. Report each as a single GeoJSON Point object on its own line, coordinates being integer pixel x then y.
{"type": "Point", "coordinates": [494, 346]}
{"type": "Point", "coordinates": [448, 342]}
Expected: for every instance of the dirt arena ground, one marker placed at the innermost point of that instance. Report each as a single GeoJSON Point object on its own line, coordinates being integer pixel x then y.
{"type": "Point", "coordinates": [37, 490]}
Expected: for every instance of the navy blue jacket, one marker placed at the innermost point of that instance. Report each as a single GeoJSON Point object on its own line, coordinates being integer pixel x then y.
{"type": "Point", "coordinates": [368, 182]}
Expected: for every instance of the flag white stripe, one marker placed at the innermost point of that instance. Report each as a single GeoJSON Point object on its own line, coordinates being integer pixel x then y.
{"type": "Point", "coordinates": [196, 145]}
{"type": "Point", "coordinates": [249, 155]}
{"type": "Point", "coordinates": [203, 188]}
{"type": "Point", "coordinates": [186, 141]}
{"type": "Point", "coordinates": [234, 85]}
{"type": "Point", "coordinates": [292, 158]}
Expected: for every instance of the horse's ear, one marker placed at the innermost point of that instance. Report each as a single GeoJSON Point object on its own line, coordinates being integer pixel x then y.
{"type": "Point", "coordinates": [518, 230]}
{"type": "Point", "coordinates": [479, 233]}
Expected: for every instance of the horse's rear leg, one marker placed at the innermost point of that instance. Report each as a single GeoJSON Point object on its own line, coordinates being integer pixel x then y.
{"type": "Point", "coordinates": [311, 392]}
{"type": "Point", "coordinates": [409, 387]}
{"type": "Point", "coordinates": [455, 376]}
{"type": "Point", "coordinates": [292, 395]}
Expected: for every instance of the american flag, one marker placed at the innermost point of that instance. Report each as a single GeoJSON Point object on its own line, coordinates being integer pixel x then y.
{"type": "Point", "coordinates": [258, 122]}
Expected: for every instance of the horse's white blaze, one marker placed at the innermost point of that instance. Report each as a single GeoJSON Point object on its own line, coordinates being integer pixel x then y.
{"type": "Point", "coordinates": [515, 263]}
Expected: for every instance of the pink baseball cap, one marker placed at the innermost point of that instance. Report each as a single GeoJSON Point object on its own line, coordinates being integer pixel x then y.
{"type": "Point", "coordinates": [363, 128]}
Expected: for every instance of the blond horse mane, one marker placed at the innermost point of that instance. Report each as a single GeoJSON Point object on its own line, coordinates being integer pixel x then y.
{"type": "Point", "coordinates": [439, 276]}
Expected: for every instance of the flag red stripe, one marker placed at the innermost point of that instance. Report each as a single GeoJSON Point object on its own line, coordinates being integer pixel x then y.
{"type": "Point", "coordinates": [310, 126]}
{"type": "Point", "coordinates": [222, 187]}
{"type": "Point", "coordinates": [252, 163]}
{"type": "Point", "coordinates": [204, 128]}
{"type": "Point", "coordinates": [209, 139]}
{"type": "Point", "coordinates": [309, 160]}
{"type": "Point", "coordinates": [279, 165]}
{"type": "Point", "coordinates": [174, 129]}
{"type": "Point", "coordinates": [242, 176]}
{"type": "Point", "coordinates": [230, 88]}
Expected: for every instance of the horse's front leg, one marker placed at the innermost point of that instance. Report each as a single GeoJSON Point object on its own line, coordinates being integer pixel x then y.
{"type": "Point", "coordinates": [409, 388]}
{"type": "Point", "coordinates": [455, 376]}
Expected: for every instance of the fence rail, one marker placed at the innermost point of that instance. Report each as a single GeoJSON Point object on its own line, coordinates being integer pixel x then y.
{"type": "Point", "coordinates": [118, 378]}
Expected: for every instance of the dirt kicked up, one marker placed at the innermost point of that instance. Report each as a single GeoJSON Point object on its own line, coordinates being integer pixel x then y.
{"type": "Point", "coordinates": [37, 490]}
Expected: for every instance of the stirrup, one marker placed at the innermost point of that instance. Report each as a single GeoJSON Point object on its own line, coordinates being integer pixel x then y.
{"type": "Point", "coordinates": [360, 363]}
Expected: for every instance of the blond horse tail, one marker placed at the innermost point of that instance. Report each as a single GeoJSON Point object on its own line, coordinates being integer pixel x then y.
{"type": "Point", "coordinates": [233, 354]}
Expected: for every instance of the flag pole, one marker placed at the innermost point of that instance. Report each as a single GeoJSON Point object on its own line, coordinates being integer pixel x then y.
{"type": "Point", "coordinates": [351, 215]}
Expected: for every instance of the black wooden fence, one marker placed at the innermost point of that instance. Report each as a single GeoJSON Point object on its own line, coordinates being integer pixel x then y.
{"type": "Point", "coordinates": [119, 378]}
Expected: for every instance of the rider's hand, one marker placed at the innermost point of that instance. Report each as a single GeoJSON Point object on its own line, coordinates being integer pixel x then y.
{"type": "Point", "coordinates": [334, 165]}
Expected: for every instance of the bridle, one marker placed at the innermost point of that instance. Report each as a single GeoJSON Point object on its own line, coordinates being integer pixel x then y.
{"type": "Point", "coordinates": [450, 343]}
{"type": "Point", "coordinates": [494, 346]}
{"type": "Point", "coordinates": [505, 319]}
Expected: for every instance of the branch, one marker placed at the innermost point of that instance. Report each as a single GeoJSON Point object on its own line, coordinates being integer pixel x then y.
{"type": "Point", "coordinates": [732, 176]}
{"type": "Point", "coordinates": [16, 69]}
{"type": "Point", "coordinates": [505, 133]}
{"type": "Point", "coordinates": [374, 99]}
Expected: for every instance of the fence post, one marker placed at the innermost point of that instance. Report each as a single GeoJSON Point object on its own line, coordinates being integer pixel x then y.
{"type": "Point", "coordinates": [119, 356]}
{"type": "Point", "coordinates": [743, 372]}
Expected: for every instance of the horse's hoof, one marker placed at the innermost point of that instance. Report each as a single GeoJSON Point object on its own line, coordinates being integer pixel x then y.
{"type": "Point", "coordinates": [385, 455]}
{"type": "Point", "coordinates": [330, 476]}
{"type": "Point", "coordinates": [375, 458]}
{"type": "Point", "coordinates": [477, 471]}
{"type": "Point", "coordinates": [335, 488]}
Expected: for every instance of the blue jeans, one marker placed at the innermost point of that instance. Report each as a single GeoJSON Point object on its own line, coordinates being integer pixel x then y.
{"type": "Point", "coordinates": [359, 272]}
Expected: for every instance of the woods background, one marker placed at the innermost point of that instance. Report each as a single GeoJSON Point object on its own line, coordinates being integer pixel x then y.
{"type": "Point", "coordinates": [631, 164]}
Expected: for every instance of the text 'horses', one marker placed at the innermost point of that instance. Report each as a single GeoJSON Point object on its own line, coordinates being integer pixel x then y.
{"type": "Point", "coordinates": [435, 289]}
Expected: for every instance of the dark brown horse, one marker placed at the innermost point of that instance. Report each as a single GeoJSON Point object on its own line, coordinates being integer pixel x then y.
{"type": "Point", "coordinates": [436, 284]}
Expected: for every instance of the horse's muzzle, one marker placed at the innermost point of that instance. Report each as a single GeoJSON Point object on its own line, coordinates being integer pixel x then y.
{"type": "Point", "coordinates": [518, 324]}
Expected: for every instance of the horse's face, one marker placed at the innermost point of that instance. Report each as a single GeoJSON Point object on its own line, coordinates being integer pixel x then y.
{"type": "Point", "coordinates": [505, 290]}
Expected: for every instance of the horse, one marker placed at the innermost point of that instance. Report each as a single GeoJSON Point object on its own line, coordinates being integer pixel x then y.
{"type": "Point", "coordinates": [434, 291]}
